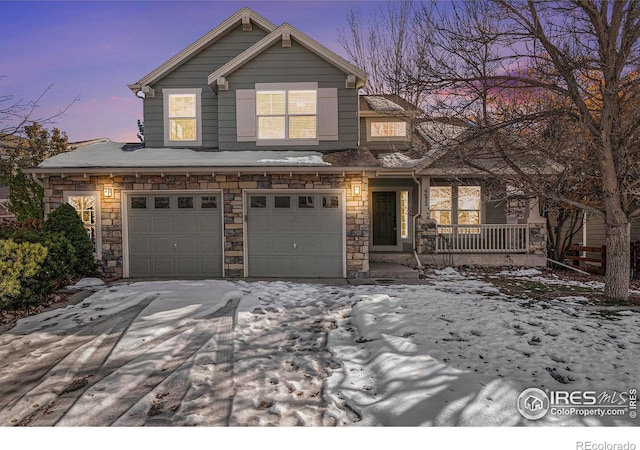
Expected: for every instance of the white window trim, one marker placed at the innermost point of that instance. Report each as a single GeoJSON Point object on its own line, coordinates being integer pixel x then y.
{"type": "Point", "coordinates": [166, 93]}
{"type": "Point", "coordinates": [370, 138]}
{"type": "Point", "coordinates": [455, 206]}
{"type": "Point", "coordinates": [98, 253]}
{"type": "Point", "coordinates": [261, 87]}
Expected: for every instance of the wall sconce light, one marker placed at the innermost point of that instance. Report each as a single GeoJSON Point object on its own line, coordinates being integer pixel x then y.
{"type": "Point", "coordinates": [356, 189]}
{"type": "Point", "coordinates": [108, 192]}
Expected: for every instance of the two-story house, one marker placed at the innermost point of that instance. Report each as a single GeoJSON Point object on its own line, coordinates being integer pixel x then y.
{"type": "Point", "coordinates": [261, 159]}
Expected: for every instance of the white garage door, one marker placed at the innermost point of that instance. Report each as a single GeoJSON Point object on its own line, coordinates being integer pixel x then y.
{"type": "Point", "coordinates": [174, 235]}
{"type": "Point", "coordinates": [295, 234]}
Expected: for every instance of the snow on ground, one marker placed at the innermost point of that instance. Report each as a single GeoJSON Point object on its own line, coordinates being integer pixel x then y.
{"type": "Point", "coordinates": [453, 351]}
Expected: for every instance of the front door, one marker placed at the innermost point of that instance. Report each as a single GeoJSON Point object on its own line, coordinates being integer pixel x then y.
{"type": "Point", "coordinates": [384, 218]}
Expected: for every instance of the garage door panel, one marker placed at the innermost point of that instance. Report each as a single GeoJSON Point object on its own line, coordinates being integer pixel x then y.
{"type": "Point", "coordinates": [259, 245]}
{"type": "Point", "coordinates": [296, 241]}
{"type": "Point", "coordinates": [209, 223]}
{"type": "Point", "coordinates": [271, 266]}
{"type": "Point", "coordinates": [162, 245]}
{"type": "Point", "coordinates": [186, 266]}
{"type": "Point", "coordinates": [310, 266]}
{"type": "Point", "coordinates": [187, 245]}
{"type": "Point", "coordinates": [163, 267]}
{"type": "Point", "coordinates": [162, 223]}
{"type": "Point", "coordinates": [323, 246]}
{"type": "Point", "coordinates": [280, 223]}
{"type": "Point", "coordinates": [209, 266]}
{"type": "Point", "coordinates": [185, 223]}
{"type": "Point", "coordinates": [184, 239]}
{"type": "Point", "coordinates": [306, 222]}
{"type": "Point", "coordinates": [208, 246]}
{"type": "Point", "coordinates": [140, 245]}
{"type": "Point", "coordinates": [140, 266]}
{"type": "Point", "coordinates": [139, 224]}
{"type": "Point", "coordinates": [331, 221]}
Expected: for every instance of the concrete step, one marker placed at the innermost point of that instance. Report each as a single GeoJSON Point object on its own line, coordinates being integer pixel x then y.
{"type": "Point", "coordinates": [392, 271]}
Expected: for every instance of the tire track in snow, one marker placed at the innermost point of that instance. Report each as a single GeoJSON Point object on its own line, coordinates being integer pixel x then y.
{"type": "Point", "coordinates": [42, 386]}
{"type": "Point", "coordinates": [109, 407]}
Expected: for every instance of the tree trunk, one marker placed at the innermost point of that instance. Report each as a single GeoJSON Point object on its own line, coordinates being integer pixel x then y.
{"type": "Point", "coordinates": [618, 239]}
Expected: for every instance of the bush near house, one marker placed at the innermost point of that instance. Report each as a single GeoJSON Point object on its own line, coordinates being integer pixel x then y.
{"type": "Point", "coordinates": [65, 220]}
{"type": "Point", "coordinates": [20, 262]}
{"type": "Point", "coordinates": [37, 259]}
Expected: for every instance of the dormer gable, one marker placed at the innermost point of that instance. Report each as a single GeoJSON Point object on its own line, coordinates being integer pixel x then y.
{"type": "Point", "coordinates": [355, 78]}
{"type": "Point", "coordinates": [245, 17]}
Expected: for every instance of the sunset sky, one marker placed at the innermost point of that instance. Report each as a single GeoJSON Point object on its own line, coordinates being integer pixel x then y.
{"type": "Point", "coordinates": [91, 50]}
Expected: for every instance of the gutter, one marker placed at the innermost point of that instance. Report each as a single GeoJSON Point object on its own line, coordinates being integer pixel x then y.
{"type": "Point", "coordinates": [196, 170]}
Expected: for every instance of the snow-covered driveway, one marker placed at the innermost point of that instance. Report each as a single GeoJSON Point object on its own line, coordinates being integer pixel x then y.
{"type": "Point", "coordinates": [451, 352]}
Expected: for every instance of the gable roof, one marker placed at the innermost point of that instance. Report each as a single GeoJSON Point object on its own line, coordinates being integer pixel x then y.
{"type": "Point", "coordinates": [201, 43]}
{"type": "Point", "coordinates": [299, 37]}
{"type": "Point", "coordinates": [387, 104]}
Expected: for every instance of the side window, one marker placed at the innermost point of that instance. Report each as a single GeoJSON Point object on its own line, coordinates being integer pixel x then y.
{"type": "Point", "coordinates": [182, 116]}
{"type": "Point", "coordinates": [440, 204]}
{"type": "Point", "coordinates": [87, 207]}
{"type": "Point", "coordinates": [387, 130]}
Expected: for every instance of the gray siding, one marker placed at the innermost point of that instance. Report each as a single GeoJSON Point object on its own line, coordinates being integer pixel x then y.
{"type": "Point", "coordinates": [193, 74]}
{"type": "Point", "coordinates": [596, 232]}
{"type": "Point", "coordinates": [288, 65]}
{"type": "Point", "coordinates": [494, 213]}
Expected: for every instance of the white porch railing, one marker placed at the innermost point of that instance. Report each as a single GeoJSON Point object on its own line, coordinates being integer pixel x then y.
{"type": "Point", "coordinates": [498, 238]}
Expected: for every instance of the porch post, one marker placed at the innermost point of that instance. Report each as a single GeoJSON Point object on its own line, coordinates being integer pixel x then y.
{"type": "Point", "coordinates": [536, 230]}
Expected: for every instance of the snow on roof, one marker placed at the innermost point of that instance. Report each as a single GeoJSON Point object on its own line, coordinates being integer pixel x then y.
{"type": "Point", "coordinates": [398, 160]}
{"type": "Point", "coordinates": [109, 154]}
{"type": "Point", "coordinates": [378, 103]}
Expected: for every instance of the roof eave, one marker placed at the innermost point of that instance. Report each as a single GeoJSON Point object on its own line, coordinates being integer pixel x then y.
{"type": "Point", "coordinates": [195, 170]}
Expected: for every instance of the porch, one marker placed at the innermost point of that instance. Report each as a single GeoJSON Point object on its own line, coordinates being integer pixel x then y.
{"type": "Point", "coordinates": [493, 238]}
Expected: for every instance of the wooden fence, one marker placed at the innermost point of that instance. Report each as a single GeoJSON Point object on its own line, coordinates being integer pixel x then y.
{"type": "Point", "coordinates": [594, 259]}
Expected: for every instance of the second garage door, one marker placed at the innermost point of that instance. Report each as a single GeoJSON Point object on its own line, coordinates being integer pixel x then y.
{"type": "Point", "coordinates": [295, 235]}
{"type": "Point", "coordinates": [173, 235]}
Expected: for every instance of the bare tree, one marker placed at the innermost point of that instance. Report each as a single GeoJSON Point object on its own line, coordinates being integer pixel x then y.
{"type": "Point", "coordinates": [24, 142]}
{"type": "Point", "coordinates": [383, 44]}
{"type": "Point", "coordinates": [553, 91]}
{"type": "Point", "coordinates": [17, 113]}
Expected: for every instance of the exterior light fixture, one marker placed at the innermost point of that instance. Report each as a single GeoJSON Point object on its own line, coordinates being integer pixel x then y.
{"type": "Point", "coordinates": [108, 192]}
{"type": "Point", "coordinates": [356, 189]}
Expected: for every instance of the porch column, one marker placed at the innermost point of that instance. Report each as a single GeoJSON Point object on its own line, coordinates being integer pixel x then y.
{"type": "Point", "coordinates": [536, 230]}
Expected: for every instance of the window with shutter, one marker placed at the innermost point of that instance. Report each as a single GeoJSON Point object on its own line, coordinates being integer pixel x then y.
{"type": "Point", "coordinates": [287, 114]}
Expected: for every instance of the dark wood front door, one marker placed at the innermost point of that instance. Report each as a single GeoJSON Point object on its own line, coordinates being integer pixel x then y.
{"type": "Point", "coordinates": [384, 218]}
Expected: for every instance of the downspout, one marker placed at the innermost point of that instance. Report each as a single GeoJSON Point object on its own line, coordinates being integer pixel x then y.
{"type": "Point", "coordinates": [34, 177]}
{"type": "Point", "coordinates": [415, 217]}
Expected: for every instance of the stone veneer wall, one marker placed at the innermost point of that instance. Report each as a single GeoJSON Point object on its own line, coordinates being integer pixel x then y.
{"type": "Point", "coordinates": [357, 227]}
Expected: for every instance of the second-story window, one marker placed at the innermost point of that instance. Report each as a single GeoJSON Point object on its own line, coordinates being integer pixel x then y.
{"type": "Point", "coordinates": [386, 130]}
{"type": "Point", "coordinates": [286, 114]}
{"type": "Point", "coordinates": [182, 116]}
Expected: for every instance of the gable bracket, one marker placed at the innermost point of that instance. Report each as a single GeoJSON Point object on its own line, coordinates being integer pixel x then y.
{"type": "Point", "coordinates": [286, 39]}
{"type": "Point", "coordinates": [246, 22]}
{"type": "Point", "coordinates": [350, 83]}
{"type": "Point", "coordinates": [148, 91]}
{"type": "Point", "coordinates": [223, 84]}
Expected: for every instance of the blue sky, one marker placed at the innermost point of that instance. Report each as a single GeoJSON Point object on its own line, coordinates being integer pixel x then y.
{"type": "Point", "coordinates": [91, 50]}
